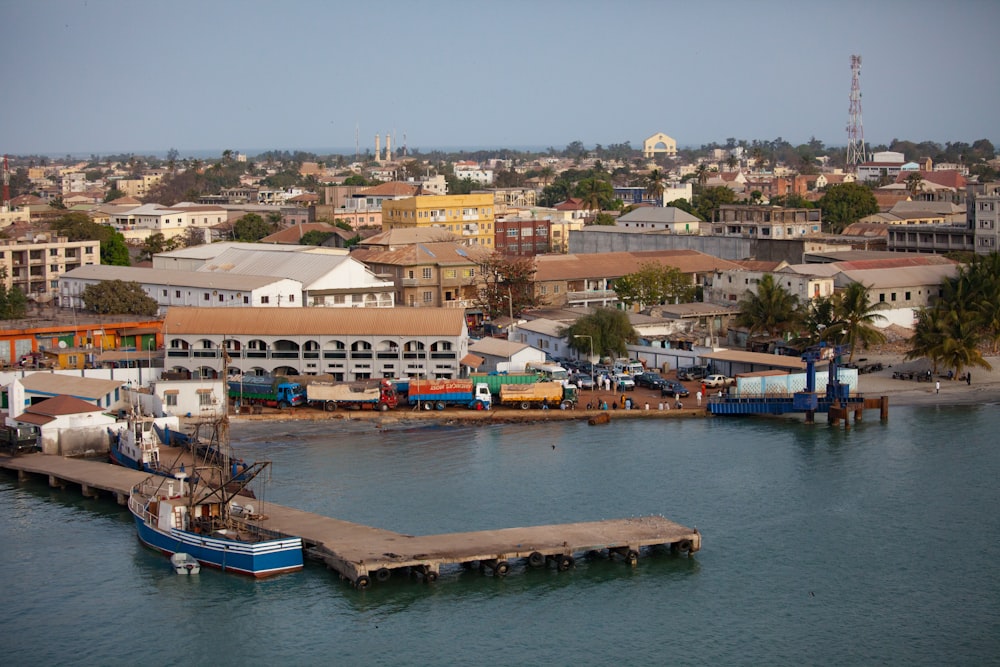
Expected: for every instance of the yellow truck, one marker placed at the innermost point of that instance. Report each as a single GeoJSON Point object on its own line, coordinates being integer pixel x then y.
{"type": "Point", "coordinates": [539, 395]}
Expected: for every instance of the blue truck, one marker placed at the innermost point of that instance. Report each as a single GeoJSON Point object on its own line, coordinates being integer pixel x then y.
{"type": "Point", "coordinates": [271, 390]}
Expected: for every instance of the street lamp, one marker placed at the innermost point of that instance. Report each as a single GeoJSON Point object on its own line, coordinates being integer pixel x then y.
{"type": "Point", "coordinates": [591, 360]}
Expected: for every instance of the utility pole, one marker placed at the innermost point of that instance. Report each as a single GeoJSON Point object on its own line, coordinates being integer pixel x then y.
{"type": "Point", "coordinates": [855, 129]}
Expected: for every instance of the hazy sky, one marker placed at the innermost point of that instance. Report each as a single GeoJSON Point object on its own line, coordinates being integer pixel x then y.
{"type": "Point", "coordinates": [108, 76]}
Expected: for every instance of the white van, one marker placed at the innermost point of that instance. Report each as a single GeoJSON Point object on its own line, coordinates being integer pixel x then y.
{"type": "Point", "coordinates": [626, 367]}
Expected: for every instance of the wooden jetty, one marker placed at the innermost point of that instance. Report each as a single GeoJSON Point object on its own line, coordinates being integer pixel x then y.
{"type": "Point", "coordinates": [363, 554]}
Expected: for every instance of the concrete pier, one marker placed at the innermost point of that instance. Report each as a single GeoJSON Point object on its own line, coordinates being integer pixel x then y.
{"type": "Point", "coordinates": [363, 554]}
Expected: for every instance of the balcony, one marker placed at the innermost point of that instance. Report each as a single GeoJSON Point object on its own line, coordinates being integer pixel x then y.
{"type": "Point", "coordinates": [592, 295]}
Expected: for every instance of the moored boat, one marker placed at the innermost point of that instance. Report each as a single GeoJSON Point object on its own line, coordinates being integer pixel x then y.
{"type": "Point", "coordinates": [185, 563]}
{"type": "Point", "coordinates": [174, 516]}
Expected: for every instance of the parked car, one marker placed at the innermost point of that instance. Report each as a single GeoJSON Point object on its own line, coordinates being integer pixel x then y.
{"type": "Point", "coordinates": [624, 383]}
{"type": "Point", "coordinates": [582, 381]}
{"type": "Point", "coordinates": [717, 381]}
{"type": "Point", "coordinates": [692, 373]}
{"type": "Point", "coordinates": [673, 388]}
{"type": "Point", "coordinates": [649, 379]}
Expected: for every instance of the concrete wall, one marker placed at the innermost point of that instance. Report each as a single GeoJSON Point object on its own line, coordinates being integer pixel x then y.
{"type": "Point", "coordinates": [724, 247]}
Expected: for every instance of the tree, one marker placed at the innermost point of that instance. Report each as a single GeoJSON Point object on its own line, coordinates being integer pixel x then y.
{"type": "Point", "coordinates": [78, 226]}
{"type": "Point", "coordinates": [846, 203]}
{"type": "Point", "coordinates": [153, 245]}
{"type": "Point", "coordinates": [682, 204]}
{"type": "Point", "coordinates": [605, 219]}
{"type": "Point", "coordinates": [315, 237]}
{"type": "Point", "coordinates": [113, 194]}
{"type": "Point", "coordinates": [251, 228]}
{"type": "Point", "coordinates": [655, 186]}
{"type": "Point", "coordinates": [506, 284]}
{"type": "Point", "coordinates": [856, 318]}
{"type": "Point", "coordinates": [13, 304]}
{"type": "Point", "coordinates": [597, 194]}
{"type": "Point", "coordinates": [914, 183]}
{"type": "Point", "coordinates": [654, 284]}
{"type": "Point", "coordinates": [608, 329]}
{"type": "Point", "coordinates": [771, 310]}
{"type": "Point", "coordinates": [708, 201]}
{"type": "Point", "coordinates": [117, 297]}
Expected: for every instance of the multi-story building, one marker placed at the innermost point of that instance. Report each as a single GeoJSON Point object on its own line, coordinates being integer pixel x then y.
{"type": "Point", "coordinates": [984, 217]}
{"type": "Point", "coordinates": [139, 187]}
{"type": "Point", "coordinates": [468, 216]}
{"type": "Point", "coordinates": [138, 224]}
{"type": "Point", "coordinates": [524, 238]}
{"type": "Point", "coordinates": [36, 265]}
{"type": "Point", "coordinates": [349, 345]}
{"type": "Point", "coordinates": [765, 222]}
{"type": "Point", "coordinates": [428, 274]}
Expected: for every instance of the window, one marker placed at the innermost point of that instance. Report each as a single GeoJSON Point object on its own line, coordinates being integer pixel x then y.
{"type": "Point", "coordinates": [171, 400]}
{"type": "Point", "coordinates": [428, 297]}
{"type": "Point", "coordinates": [246, 299]}
{"type": "Point", "coordinates": [204, 399]}
{"type": "Point", "coordinates": [512, 232]}
{"type": "Point", "coordinates": [71, 360]}
{"type": "Point", "coordinates": [881, 298]}
{"type": "Point", "coordinates": [291, 298]}
{"type": "Point", "coordinates": [220, 298]}
{"type": "Point", "coordinates": [265, 299]}
{"type": "Point", "coordinates": [468, 273]}
{"type": "Point", "coordinates": [164, 292]}
{"type": "Point", "coordinates": [206, 296]}
{"type": "Point", "coordinates": [907, 296]}
{"type": "Point", "coordinates": [555, 289]}
{"type": "Point", "coordinates": [451, 273]}
{"type": "Point", "coordinates": [892, 297]}
{"type": "Point", "coordinates": [426, 273]}
{"type": "Point", "coordinates": [545, 289]}
{"type": "Point", "coordinates": [177, 293]}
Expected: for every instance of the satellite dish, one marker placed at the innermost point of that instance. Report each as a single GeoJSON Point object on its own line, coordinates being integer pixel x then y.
{"type": "Point", "coordinates": [62, 345]}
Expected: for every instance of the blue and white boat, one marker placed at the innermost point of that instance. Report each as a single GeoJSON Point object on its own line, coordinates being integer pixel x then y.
{"type": "Point", "coordinates": [175, 516]}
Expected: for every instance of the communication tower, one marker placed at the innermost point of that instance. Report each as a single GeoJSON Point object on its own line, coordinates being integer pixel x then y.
{"type": "Point", "coordinates": [855, 130]}
{"type": "Point", "coordinates": [6, 185]}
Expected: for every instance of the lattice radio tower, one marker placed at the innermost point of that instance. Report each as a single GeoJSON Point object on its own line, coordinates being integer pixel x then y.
{"type": "Point", "coordinates": [855, 130]}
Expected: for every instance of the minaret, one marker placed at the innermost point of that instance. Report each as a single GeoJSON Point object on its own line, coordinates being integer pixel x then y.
{"type": "Point", "coordinates": [388, 147]}
{"type": "Point", "coordinates": [378, 148]}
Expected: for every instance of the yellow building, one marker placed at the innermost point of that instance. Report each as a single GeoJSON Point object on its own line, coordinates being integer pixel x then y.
{"type": "Point", "coordinates": [467, 216]}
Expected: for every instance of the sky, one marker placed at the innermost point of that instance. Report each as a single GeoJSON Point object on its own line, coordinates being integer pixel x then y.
{"type": "Point", "coordinates": [136, 76]}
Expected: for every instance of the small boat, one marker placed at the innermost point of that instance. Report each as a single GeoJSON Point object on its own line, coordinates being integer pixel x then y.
{"type": "Point", "coordinates": [185, 563]}
{"type": "Point", "coordinates": [201, 519]}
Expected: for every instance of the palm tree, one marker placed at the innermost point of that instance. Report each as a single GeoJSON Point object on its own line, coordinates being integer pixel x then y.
{"type": "Point", "coordinates": [856, 318]}
{"type": "Point", "coordinates": [593, 194]}
{"type": "Point", "coordinates": [772, 310]}
{"type": "Point", "coordinates": [655, 185]}
{"type": "Point", "coordinates": [701, 173]}
{"type": "Point", "coordinates": [817, 318]}
{"type": "Point", "coordinates": [731, 162]}
{"type": "Point", "coordinates": [914, 183]}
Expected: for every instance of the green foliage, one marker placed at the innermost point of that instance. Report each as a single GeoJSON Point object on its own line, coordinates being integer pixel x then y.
{"type": "Point", "coordinates": [654, 284]}
{"type": "Point", "coordinates": [856, 318]}
{"type": "Point", "coordinates": [315, 237]}
{"type": "Point", "coordinates": [684, 205]}
{"type": "Point", "coordinates": [117, 297]}
{"type": "Point", "coordinates": [846, 203]}
{"type": "Point", "coordinates": [13, 304]}
{"type": "Point", "coordinates": [113, 194]}
{"type": "Point", "coordinates": [609, 329]}
{"type": "Point", "coordinates": [78, 226]}
{"type": "Point", "coordinates": [356, 179]}
{"type": "Point", "coordinates": [605, 219]}
{"type": "Point", "coordinates": [708, 201]}
{"type": "Point", "coordinates": [252, 228]}
{"type": "Point", "coordinates": [597, 194]}
{"type": "Point", "coordinates": [342, 224]}
{"type": "Point", "coordinates": [155, 244]}
{"type": "Point", "coordinates": [771, 310]}
{"type": "Point", "coordinates": [792, 200]}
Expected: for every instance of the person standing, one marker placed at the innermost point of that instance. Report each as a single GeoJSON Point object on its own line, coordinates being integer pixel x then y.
{"type": "Point", "coordinates": [968, 378]}
{"type": "Point", "coordinates": [937, 387]}
{"type": "Point", "coordinates": [698, 396]}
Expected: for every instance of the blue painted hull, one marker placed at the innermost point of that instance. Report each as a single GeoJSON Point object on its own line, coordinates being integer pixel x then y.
{"type": "Point", "coordinates": [257, 559]}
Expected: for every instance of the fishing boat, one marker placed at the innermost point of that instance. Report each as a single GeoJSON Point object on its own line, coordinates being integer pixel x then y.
{"type": "Point", "coordinates": [185, 563]}
{"type": "Point", "coordinates": [174, 515]}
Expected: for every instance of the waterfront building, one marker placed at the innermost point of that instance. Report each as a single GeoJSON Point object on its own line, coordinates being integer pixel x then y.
{"type": "Point", "coordinates": [350, 344]}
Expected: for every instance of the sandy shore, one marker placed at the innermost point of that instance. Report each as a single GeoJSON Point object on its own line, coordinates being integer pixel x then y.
{"type": "Point", "coordinates": [984, 388]}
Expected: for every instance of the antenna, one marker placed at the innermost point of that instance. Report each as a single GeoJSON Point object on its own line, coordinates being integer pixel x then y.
{"type": "Point", "coordinates": [6, 185]}
{"type": "Point", "coordinates": [855, 130]}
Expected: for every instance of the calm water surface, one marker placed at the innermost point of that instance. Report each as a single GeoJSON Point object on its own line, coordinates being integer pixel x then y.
{"type": "Point", "coordinates": [880, 545]}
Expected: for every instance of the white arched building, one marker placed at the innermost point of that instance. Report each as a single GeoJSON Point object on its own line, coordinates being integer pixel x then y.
{"type": "Point", "coordinates": [659, 144]}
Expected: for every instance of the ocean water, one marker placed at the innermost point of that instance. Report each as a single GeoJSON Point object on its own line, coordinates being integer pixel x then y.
{"type": "Point", "coordinates": [878, 545]}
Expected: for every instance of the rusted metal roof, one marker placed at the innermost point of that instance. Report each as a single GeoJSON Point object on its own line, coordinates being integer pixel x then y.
{"type": "Point", "coordinates": [315, 321]}
{"type": "Point", "coordinates": [616, 264]}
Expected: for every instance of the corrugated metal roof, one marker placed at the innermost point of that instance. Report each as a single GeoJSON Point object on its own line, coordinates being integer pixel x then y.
{"type": "Point", "coordinates": [658, 214]}
{"type": "Point", "coordinates": [906, 276]}
{"type": "Point", "coordinates": [616, 264]}
{"type": "Point", "coordinates": [305, 267]}
{"type": "Point", "coordinates": [543, 326]}
{"type": "Point", "coordinates": [759, 358]}
{"type": "Point", "coordinates": [170, 277]}
{"type": "Point", "coordinates": [315, 321]}
{"type": "Point", "coordinates": [497, 347]}
{"type": "Point", "coordinates": [53, 383]}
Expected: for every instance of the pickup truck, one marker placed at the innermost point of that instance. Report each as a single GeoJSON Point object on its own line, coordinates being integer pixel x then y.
{"type": "Point", "coordinates": [717, 381]}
